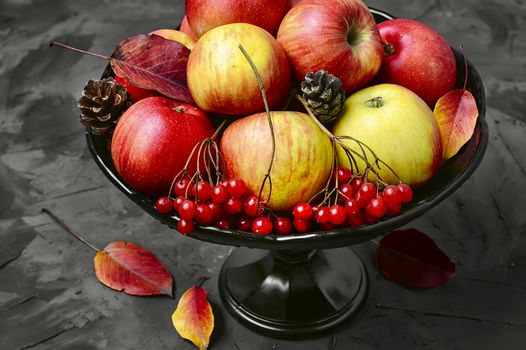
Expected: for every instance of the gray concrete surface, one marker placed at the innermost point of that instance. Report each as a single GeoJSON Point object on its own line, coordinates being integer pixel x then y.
{"type": "Point", "coordinates": [49, 296]}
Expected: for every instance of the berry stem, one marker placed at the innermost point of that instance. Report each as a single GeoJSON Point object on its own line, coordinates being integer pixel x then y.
{"type": "Point", "coordinates": [271, 125]}
{"type": "Point", "coordinates": [69, 229]}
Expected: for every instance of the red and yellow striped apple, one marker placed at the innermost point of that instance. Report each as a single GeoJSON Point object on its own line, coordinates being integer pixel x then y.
{"type": "Point", "coordinates": [204, 15]}
{"type": "Point", "coordinates": [220, 77]}
{"type": "Point", "coordinates": [339, 36]}
{"type": "Point", "coordinates": [398, 126]}
{"type": "Point", "coordinates": [302, 161]}
{"type": "Point", "coordinates": [152, 141]}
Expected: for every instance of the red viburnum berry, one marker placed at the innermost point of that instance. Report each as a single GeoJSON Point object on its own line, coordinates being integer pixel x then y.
{"type": "Point", "coordinates": [187, 209]}
{"type": "Point", "coordinates": [282, 226]}
{"type": "Point", "coordinates": [337, 214]}
{"type": "Point", "coordinates": [322, 215]}
{"type": "Point", "coordinates": [236, 188]}
{"type": "Point", "coordinates": [251, 206]}
{"type": "Point", "coordinates": [352, 207]}
{"type": "Point", "coordinates": [344, 175]}
{"type": "Point", "coordinates": [346, 191]}
{"type": "Point", "coordinates": [201, 190]}
{"type": "Point", "coordinates": [243, 223]}
{"type": "Point", "coordinates": [204, 215]}
{"type": "Point", "coordinates": [185, 227]}
{"type": "Point", "coordinates": [180, 186]}
{"type": "Point", "coordinates": [365, 193]}
{"type": "Point", "coordinates": [376, 207]}
{"type": "Point", "coordinates": [302, 211]}
{"type": "Point", "coordinates": [262, 226]}
{"type": "Point", "coordinates": [302, 225]}
{"type": "Point", "coordinates": [219, 194]}
{"type": "Point", "coordinates": [233, 205]}
{"type": "Point", "coordinates": [407, 193]}
{"type": "Point", "coordinates": [392, 196]}
{"type": "Point", "coordinates": [163, 205]}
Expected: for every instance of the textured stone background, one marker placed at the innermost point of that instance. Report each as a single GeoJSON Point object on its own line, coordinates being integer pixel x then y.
{"type": "Point", "coordinates": [49, 297]}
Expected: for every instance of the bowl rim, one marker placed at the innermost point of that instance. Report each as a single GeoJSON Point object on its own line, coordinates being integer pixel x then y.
{"type": "Point", "coordinates": [317, 239]}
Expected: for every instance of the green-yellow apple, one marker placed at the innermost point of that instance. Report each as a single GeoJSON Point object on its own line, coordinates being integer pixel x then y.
{"type": "Point", "coordinates": [302, 161]}
{"type": "Point", "coordinates": [221, 79]}
{"type": "Point", "coordinates": [175, 35]}
{"type": "Point", "coordinates": [400, 129]}
{"type": "Point", "coordinates": [204, 15]}
{"type": "Point", "coordinates": [339, 36]}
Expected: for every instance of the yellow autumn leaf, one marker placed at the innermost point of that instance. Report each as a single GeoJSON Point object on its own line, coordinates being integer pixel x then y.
{"type": "Point", "coordinates": [193, 318]}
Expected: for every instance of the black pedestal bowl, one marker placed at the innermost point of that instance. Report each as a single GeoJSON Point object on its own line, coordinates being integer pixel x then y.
{"type": "Point", "coordinates": [301, 285]}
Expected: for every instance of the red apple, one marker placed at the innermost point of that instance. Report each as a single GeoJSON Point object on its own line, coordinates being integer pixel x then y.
{"type": "Point", "coordinates": [417, 57]}
{"type": "Point", "coordinates": [185, 28]}
{"type": "Point", "coordinates": [302, 161]}
{"type": "Point", "coordinates": [135, 92]}
{"type": "Point", "coordinates": [152, 141]}
{"type": "Point", "coordinates": [220, 77]}
{"type": "Point", "coordinates": [339, 36]}
{"type": "Point", "coordinates": [204, 15]}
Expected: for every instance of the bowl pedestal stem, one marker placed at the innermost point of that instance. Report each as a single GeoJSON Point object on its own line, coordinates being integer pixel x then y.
{"type": "Point", "coordinates": [293, 294]}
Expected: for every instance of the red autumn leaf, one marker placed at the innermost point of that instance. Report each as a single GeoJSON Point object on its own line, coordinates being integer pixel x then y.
{"type": "Point", "coordinates": [412, 259]}
{"type": "Point", "coordinates": [456, 113]}
{"type": "Point", "coordinates": [127, 267]}
{"type": "Point", "coordinates": [154, 63]}
{"type": "Point", "coordinates": [193, 318]}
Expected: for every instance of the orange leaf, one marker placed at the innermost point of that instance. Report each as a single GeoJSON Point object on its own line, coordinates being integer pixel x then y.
{"type": "Point", "coordinates": [456, 113]}
{"type": "Point", "coordinates": [193, 318]}
{"type": "Point", "coordinates": [127, 267]}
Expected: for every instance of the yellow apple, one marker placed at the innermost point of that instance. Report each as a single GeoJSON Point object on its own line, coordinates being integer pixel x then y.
{"type": "Point", "coordinates": [398, 126]}
{"type": "Point", "coordinates": [175, 35]}
{"type": "Point", "coordinates": [302, 160]}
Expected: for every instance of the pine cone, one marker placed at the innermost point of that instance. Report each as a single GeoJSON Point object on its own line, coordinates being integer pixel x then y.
{"type": "Point", "coordinates": [324, 94]}
{"type": "Point", "coordinates": [102, 104]}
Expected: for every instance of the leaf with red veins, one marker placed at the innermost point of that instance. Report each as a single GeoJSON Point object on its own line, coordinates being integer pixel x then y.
{"type": "Point", "coordinates": [154, 63]}
{"type": "Point", "coordinates": [127, 267]}
{"type": "Point", "coordinates": [412, 259]}
{"type": "Point", "coordinates": [456, 113]}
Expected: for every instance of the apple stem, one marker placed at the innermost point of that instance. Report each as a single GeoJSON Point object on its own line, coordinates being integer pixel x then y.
{"type": "Point", "coordinates": [388, 49]}
{"type": "Point", "coordinates": [53, 43]}
{"type": "Point", "coordinates": [69, 229]}
{"type": "Point", "coordinates": [375, 102]}
{"type": "Point", "coordinates": [271, 125]}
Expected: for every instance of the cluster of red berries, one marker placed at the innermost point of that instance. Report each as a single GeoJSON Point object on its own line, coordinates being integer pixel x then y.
{"type": "Point", "coordinates": [229, 204]}
{"type": "Point", "coordinates": [358, 202]}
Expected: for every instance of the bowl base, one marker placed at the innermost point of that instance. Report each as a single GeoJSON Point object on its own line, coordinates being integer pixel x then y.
{"type": "Point", "coordinates": [293, 294]}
